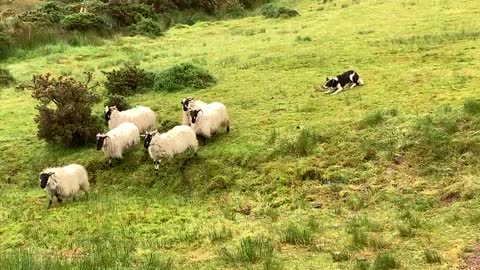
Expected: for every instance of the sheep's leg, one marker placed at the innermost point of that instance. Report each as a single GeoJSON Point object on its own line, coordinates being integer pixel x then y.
{"type": "Point", "coordinates": [110, 162]}
{"type": "Point", "coordinates": [49, 201]}
{"type": "Point", "coordinates": [59, 200]}
{"type": "Point", "coordinates": [157, 166]}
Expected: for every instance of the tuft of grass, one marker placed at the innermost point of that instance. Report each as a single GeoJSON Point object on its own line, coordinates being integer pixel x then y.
{"type": "Point", "coordinates": [471, 106]}
{"type": "Point", "coordinates": [220, 235]}
{"type": "Point", "coordinates": [359, 238]}
{"type": "Point", "coordinates": [431, 256]}
{"type": "Point", "coordinates": [302, 145]}
{"type": "Point", "coordinates": [373, 119]}
{"type": "Point", "coordinates": [251, 250]}
{"type": "Point", "coordinates": [385, 261]}
{"type": "Point", "coordinates": [345, 5]}
{"type": "Point", "coordinates": [183, 76]}
{"type": "Point", "coordinates": [405, 231]}
{"type": "Point", "coordinates": [296, 235]}
{"type": "Point", "coordinates": [303, 39]}
{"type": "Point", "coordinates": [340, 256]}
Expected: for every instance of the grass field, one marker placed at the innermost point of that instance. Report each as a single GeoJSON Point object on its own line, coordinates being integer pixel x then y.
{"type": "Point", "coordinates": [382, 176]}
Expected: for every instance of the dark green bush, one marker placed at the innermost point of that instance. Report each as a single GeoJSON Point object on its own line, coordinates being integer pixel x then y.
{"type": "Point", "coordinates": [65, 110]}
{"type": "Point", "coordinates": [6, 47]}
{"type": "Point", "coordinates": [273, 11]}
{"type": "Point", "coordinates": [146, 27]}
{"type": "Point", "coordinates": [125, 13]}
{"type": "Point", "coordinates": [127, 81]}
{"type": "Point", "coordinates": [54, 10]}
{"type": "Point", "coordinates": [6, 77]}
{"type": "Point", "coordinates": [183, 76]}
{"type": "Point", "coordinates": [83, 22]}
{"type": "Point", "coordinates": [119, 101]}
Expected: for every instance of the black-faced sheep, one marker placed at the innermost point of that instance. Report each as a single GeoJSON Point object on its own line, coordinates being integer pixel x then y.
{"type": "Point", "coordinates": [115, 142]}
{"type": "Point", "coordinates": [208, 120]}
{"type": "Point", "coordinates": [143, 117]}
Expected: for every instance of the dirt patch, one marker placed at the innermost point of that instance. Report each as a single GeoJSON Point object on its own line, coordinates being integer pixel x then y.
{"type": "Point", "coordinates": [472, 260]}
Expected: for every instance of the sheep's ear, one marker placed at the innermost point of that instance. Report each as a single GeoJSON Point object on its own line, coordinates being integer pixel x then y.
{"type": "Point", "coordinates": [51, 173]}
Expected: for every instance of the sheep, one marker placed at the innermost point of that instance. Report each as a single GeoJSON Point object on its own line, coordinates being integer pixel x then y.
{"type": "Point", "coordinates": [208, 120]}
{"type": "Point", "coordinates": [188, 104]}
{"type": "Point", "coordinates": [115, 142]}
{"type": "Point", "coordinates": [143, 117]}
{"type": "Point", "coordinates": [64, 182]}
{"type": "Point", "coordinates": [166, 145]}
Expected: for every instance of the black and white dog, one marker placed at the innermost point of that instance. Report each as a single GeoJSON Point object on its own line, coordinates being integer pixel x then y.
{"type": "Point", "coordinates": [336, 84]}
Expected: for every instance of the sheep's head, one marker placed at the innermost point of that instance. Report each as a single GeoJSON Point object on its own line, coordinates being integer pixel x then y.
{"type": "Point", "coordinates": [100, 140]}
{"type": "Point", "coordinates": [44, 176]}
{"type": "Point", "coordinates": [108, 112]}
{"type": "Point", "coordinates": [185, 102]}
{"type": "Point", "coordinates": [148, 138]}
{"type": "Point", "coordinates": [330, 82]}
{"type": "Point", "coordinates": [194, 115]}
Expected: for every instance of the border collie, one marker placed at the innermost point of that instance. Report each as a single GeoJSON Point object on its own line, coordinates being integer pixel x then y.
{"type": "Point", "coordinates": [336, 84]}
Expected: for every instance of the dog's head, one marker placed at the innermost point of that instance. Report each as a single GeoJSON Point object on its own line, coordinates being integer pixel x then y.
{"type": "Point", "coordinates": [330, 83]}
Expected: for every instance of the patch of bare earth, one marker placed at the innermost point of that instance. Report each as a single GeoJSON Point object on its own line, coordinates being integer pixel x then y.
{"type": "Point", "coordinates": [472, 261]}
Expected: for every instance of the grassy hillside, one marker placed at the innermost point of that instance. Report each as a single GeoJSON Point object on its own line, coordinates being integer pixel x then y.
{"type": "Point", "coordinates": [377, 177]}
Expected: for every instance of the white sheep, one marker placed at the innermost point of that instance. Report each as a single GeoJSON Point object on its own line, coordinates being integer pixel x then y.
{"type": "Point", "coordinates": [115, 142]}
{"type": "Point", "coordinates": [208, 120]}
{"type": "Point", "coordinates": [166, 145]}
{"type": "Point", "coordinates": [188, 104]}
{"type": "Point", "coordinates": [143, 117]}
{"type": "Point", "coordinates": [64, 182]}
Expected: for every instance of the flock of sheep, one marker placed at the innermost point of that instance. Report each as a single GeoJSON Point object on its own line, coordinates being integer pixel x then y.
{"type": "Point", "coordinates": [125, 127]}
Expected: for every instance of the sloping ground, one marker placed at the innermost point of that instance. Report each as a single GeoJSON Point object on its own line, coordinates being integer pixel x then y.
{"type": "Point", "coordinates": [350, 203]}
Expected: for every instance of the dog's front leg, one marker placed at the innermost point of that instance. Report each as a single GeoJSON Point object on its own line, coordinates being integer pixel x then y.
{"type": "Point", "coordinates": [339, 89]}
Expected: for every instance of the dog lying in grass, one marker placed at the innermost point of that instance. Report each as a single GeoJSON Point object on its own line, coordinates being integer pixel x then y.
{"type": "Point", "coordinates": [336, 84]}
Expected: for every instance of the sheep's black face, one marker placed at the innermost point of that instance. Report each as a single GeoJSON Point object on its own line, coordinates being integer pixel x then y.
{"type": "Point", "coordinates": [194, 115]}
{"type": "Point", "coordinates": [148, 139]}
{"type": "Point", "coordinates": [107, 114]}
{"type": "Point", "coordinates": [44, 179]}
{"type": "Point", "coordinates": [100, 140]}
{"type": "Point", "coordinates": [330, 83]}
{"type": "Point", "coordinates": [185, 102]}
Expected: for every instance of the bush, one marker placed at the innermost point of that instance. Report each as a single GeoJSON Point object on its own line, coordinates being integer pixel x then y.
{"type": "Point", "coordinates": [125, 13]}
{"type": "Point", "coordinates": [183, 76]}
{"type": "Point", "coordinates": [146, 27]}
{"type": "Point", "coordinates": [6, 77]}
{"type": "Point", "coordinates": [83, 22]}
{"type": "Point", "coordinates": [272, 11]}
{"type": "Point", "coordinates": [6, 47]}
{"type": "Point", "coordinates": [116, 100]}
{"type": "Point", "coordinates": [127, 80]}
{"type": "Point", "coordinates": [65, 110]}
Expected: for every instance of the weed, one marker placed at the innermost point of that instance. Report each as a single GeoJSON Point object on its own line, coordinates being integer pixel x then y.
{"type": "Point", "coordinates": [273, 137]}
{"type": "Point", "coordinates": [431, 256]}
{"type": "Point", "coordinates": [296, 235]}
{"type": "Point", "coordinates": [373, 119]}
{"type": "Point", "coordinates": [405, 231]}
{"type": "Point", "coordinates": [302, 145]}
{"type": "Point", "coordinates": [359, 238]}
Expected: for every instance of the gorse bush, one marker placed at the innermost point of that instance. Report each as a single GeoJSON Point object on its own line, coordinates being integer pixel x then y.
{"type": "Point", "coordinates": [183, 76]}
{"type": "Point", "coordinates": [273, 11]}
{"type": "Point", "coordinates": [125, 13]}
{"type": "Point", "coordinates": [6, 78]}
{"type": "Point", "coordinates": [146, 27]}
{"type": "Point", "coordinates": [83, 22]}
{"type": "Point", "coordinates": [119, 101]}
{"type": "Point", "coordinates": [5, 45]}
{"type": "Point", "coordinates": [127, 81]}
{"type": "Point", "coordinates": [64, 113]}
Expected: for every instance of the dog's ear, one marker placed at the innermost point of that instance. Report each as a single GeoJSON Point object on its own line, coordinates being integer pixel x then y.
{"type": "Point", "coordinates": [327, 79]}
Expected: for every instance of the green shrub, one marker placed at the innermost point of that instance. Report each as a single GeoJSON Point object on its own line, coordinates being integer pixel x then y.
{"type": "Point", "coordinates": [273, 11]}
{"type": "Point", "coordinates": [146, 27]}
{"type": "Point", "coordinates": [83, 22]}
{"type": "Point", "coordinates": [183, 76]}
{"type": "Point", "coordinates": [6, 78]}
{"type": "Point", "coordinates": [65, 110]}
{"type": "Point", "coordinates": [125, 13]}
{"type": "Point", "coordinates": [127, 81]}
{"type": "Point", "coordinates": [6, 47]}
{"type": "Point", "coordinates": [119, 101]}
